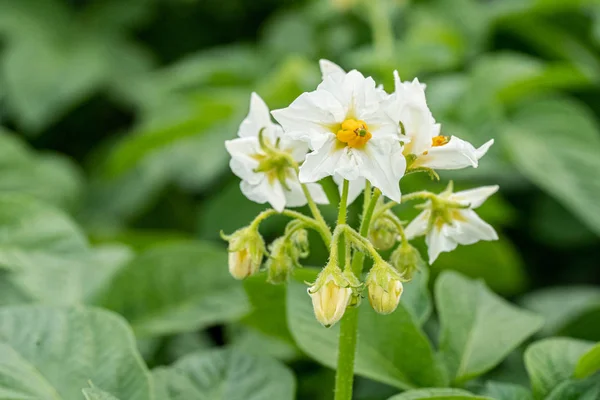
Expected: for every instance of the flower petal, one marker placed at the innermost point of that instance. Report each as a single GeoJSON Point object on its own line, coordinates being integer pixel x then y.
{"type": "Point", "coordinates": [331, 69]}
{"type": "Point", "coordinates": [322, 162]}
{"type": "Point", "coordinates": [264, 192]}
{"type": "Point", "coordinates": [474, 197]}
{"type": "Point", "coordinates": [418, 226]}
{"type": "Point", "coordinates": [483, 149]}
{"type": "Point", "coordinates": [295, 196]}
{"type": "Point", "coordinates": [381, 162]}
{"type": "Point", "coordinates": [471, 229]}
{"type": "Point", "coordinates": [439, 241]}
{"type": "Point", "coordinates": [258, 117]}
{"type": "Point", "coordinates": [455, 154]}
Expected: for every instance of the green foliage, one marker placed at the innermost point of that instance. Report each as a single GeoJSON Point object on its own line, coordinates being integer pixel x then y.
{"type": "Point", "coordinates": [478, 329]}
{"type": "Point", "coordinates": [224, 374]}
{"type": "Point", "coordinates": [437, 394]}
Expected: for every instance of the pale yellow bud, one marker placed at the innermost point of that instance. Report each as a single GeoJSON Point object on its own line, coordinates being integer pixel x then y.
{"type": "Point", "coordinates": [385, 289]}
{"type": "Point", "coordinates": [383, 234]}
{"type": "Point", "coordinates": [241, 265]}
{"type": "Point", "coordinates": [330, 301]}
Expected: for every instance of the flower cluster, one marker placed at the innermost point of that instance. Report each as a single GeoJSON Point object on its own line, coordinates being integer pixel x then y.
{"type": "Point", "coordinates": [366, 140]}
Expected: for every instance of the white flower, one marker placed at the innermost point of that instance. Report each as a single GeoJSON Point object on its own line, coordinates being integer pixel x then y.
{"type": "Point", "coordinates": [266, 179]}
{"type": "Point", "coordinates": [346, 127]}
{"type": "Point", "coordinates": [452, 226]}
{"type": "Point", "coordinates": [408, 105]}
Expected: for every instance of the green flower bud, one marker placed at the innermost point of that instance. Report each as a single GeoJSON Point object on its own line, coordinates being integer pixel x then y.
{"type": "Point", "coordinates": [246, 251]}
{"type": "Point", "coordinates": [407, 260]}
{"type": "Point", "coordinates": [385, 288]}
{"type": "Point", "coordinates": [383, 234]}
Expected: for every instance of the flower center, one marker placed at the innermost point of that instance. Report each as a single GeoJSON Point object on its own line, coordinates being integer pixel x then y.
{"type": "Point", "coordinates": [354, 133]}
{"type": "Point", "coordinates": [439, 141]}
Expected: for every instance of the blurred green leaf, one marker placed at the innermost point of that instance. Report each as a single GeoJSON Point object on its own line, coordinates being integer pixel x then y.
{"type": "Point", "coordinates": [560, 306]}
{"type": "Point", "coordinates": [416, 297]}
{"type": "Point", "coordinates": [438, 394]}
{"type": "Point", "coordinates": [176, 287]}
{"type": "Point", "coordinates": [53, 353]}
{"type": "Point", "coordinates": [46, 176]}
{"type": "Point", "coordinates": [577, 389]}
{"type": "Point", "coordinates": [506, 391]}
{"type": "Point", "coordinates": [224, 374]}
{"type": "Point", "coordinates": [497, 263]}
{"type": "Point", "coordinates": [589, 363]}
{"type": "Point", "coordinates": [251, 341]}
{"type": "Point", "coordinates": [555, 144]}
{"type": "Point", "coordinates": [382, 353]}
{"type": "Point", "coordinates": [552, 361]}
{"type": "Point", "coordinates": [94, 393]}
{"type": "Point", "coordinates": [479, 328]}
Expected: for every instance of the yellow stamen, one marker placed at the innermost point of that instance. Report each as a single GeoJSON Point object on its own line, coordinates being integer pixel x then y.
{"type": "Point", "coordinates": [354, 133]}
{"type": "Point", "coordinates": [439, 141]}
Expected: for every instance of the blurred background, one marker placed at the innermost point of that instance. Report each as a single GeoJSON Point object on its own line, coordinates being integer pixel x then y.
{"type": "Point", "coordinates": [116, 112]}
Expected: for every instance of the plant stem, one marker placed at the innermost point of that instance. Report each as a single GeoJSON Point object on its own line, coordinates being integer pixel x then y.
{"type": "Point", "coordinates": [381, 26]}
{"type": "Point", "coordinates": [344, 377]}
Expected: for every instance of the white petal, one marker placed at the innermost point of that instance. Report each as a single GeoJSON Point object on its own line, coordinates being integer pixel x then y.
{"type": "Point", "coordinates": [258, 117]}
{"type": "Point", "coordinates": [311, 117]}
{"type": "Point", "coordinates": [322, 162]}
{"type": "Point", "coordinates": [472, 229]}
{"type": "Point", "coordinates": [455, 154]}
{"type": "Point", "coordinates": [418, 226]}
{"type": "Point", "coordinates": [381, 162]}
{"type": "Point", "coordinates": [297, 148]}
{"type": "Point", "coordinates": [331, 69]}
{"type": "Point", "coordinates": [295, 196]}
{"type": "Point", "coordinates": [245, 171]}
{"type": "Point", "coordinates": [474, 197]}
{"type": "Point", "coordinates": [481, 151]}
{"type": "Point", "coordinates": [265, 192]}
{"type": "Point", "coordinates": [438, 241]}
{"type": "Point", "coordinates": [242, 163]}
{"type": "Point", "coordinates": [355, 187]}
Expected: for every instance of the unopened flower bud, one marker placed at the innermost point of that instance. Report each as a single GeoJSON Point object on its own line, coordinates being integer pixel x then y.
{"type": "Point", "coordinates": [385, 288]}
{"type": "Point", "coordinates": [331, 294]}
{"type": "Point", "coordinates": [280, 262]}
{"type": "Point", "coordinates": [383, 234]}
{"type": "Point", "coordinates": [246, 251]}
{"type": "Point", "coordinates": [407, 260]}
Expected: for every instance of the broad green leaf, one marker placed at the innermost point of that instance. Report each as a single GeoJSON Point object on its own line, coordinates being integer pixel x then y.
{"type": "Point", "coordinates": [53, 353]}
{"type": "Point", "coordinates": [94, 393]}
{"type": "Point", "coordinates": [416, 297]}
{"type": "Point", "coordinates": [498, 263]}
{"type": "Point", "coordinates": [177, 287]}
{"type": "Point", "coordinates": [478, 328]}
{"type": "Point", "coordinates": [555, 144]}
{"type": "Point", "coordinates": [589, 363]}
{"type": "Point", "coordinates": [382, 354]}
{"type": "Point", "coordinates": [506, 391]}
{"type": "Point", "coordinates": [252, 341]}
{"type": "Point", "coordinates": [587, 389]}
{"type": "Point", "coordinates": [45, 176]}
{"type": "Point", "coordinates": [552, 361]}
{"type": "Point", "coordinates": [561, 306]}
{"type": "Point", "coordinates": [224, 374]}
{"type": "Point", "coordinates": [438, 394]}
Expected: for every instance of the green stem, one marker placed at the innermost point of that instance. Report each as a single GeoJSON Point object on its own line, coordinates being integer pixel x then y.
{"type": "Point", "coordinates": [321, 228]}
{"type": "Point", "coordinates": [383, 36]}
{"type": "Point", "coordinates": [344, 377]}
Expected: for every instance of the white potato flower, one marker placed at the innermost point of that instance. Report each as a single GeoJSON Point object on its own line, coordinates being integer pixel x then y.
{"type": "Point", "coordinates": [350, 135]}
{"type": "Point", "coordinates": [267, 177]}
{"type": "Point", "coordinates": [446, 227]}
{"type": "Point", "coordinates": [408, 106]}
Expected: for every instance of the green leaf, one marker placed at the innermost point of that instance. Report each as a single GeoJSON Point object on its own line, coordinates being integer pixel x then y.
{"type": "Point", "coordinates": [416, 297]}
{"type": "Point", "coordinates": [555, 143]}
{"type": "Point", "coordinates": [587, 389]}
{"type": "Point", "coordinates": [506, 391]}
{"type": "Point", "coordinates": [225, 374]}
{"type": "Point", "coordinates": [53, 353]}
{"type": "Point", "coordinates": [498, 263]}
{"type": "Point", "coordinates": [437, 394]}
{"type": "Point", "coordinates": [589, 363]}
{"type": "Point", "coordinates": [94, 393]}
{"type": "Point", "coordinates": [177, 287]}
{"type": "Point", "coordinates": [552, 361]}
{"type": "Point", "coordinates": [561, 306]}
{"type": "Point", "coordinates": [382, 354]}
{"type": "Point", "coordinates": [478, 328]}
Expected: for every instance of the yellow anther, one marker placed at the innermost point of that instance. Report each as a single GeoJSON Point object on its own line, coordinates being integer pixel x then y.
{"type": "Point", "coordinates": [354, 133]}
{"type": "Point", "coordinates": [439, 141]}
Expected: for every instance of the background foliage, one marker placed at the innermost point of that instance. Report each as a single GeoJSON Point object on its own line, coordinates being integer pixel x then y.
{"type": "Point", "coordinates": [114, 185]}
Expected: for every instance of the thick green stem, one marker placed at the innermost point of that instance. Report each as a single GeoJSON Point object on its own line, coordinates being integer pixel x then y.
{"type": "Point", "coordinates": [344, 377]}
{"type": "Point", "coordinates": [342, 221]}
